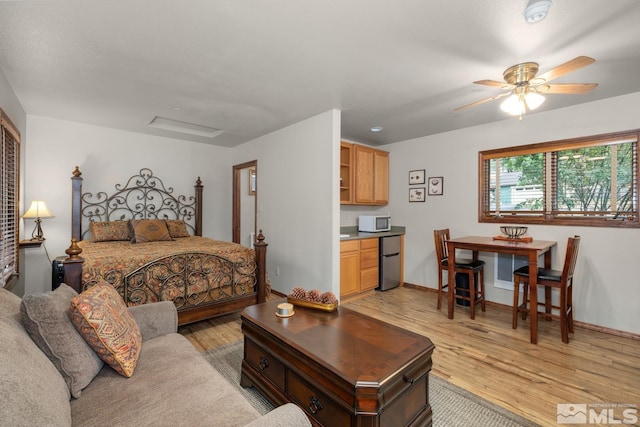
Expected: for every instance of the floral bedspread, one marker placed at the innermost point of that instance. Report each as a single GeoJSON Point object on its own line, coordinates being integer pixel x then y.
{"type": "Point", "coordinates": [188, 271]}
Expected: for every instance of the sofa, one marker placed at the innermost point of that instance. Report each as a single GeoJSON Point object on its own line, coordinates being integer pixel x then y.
{"type": "Point", "coordinates": [172, 383]}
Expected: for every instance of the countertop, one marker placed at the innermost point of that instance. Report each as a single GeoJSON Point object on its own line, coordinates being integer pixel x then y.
{"type": "Point", "coordinates": [354, 234]}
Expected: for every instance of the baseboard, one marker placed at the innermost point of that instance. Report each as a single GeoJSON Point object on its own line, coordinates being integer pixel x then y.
{"type": "Point", "coordinates": [420, 288]}
{"type": "Point", "coordinates": [584, 325]}
{"type": "Point", "coordinates": [278, 294]}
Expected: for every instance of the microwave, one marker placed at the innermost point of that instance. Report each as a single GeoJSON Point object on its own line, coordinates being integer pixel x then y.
{"type": "Point", "coordinates": [374, 223]}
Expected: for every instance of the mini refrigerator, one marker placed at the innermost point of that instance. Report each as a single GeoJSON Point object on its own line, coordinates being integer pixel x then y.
{"type": "Point", "coordinates": [389, 266]}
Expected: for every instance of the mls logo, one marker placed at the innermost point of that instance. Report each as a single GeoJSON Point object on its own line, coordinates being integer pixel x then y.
{"type": "Point", "coordinates": [572, 413]}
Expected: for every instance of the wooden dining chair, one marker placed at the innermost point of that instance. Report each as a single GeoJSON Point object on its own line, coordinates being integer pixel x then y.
{"type": "Point", "coordinates": [562, 280]}
{"type": "Point", "coordinates": [472, 268]}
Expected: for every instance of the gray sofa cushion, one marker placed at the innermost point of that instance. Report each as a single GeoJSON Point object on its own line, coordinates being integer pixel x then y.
{"type": "Point", "coordinates": [155, 319]}
{"type": "Point", "coordinates": [45, 318]}
{"type": "Point", "coordinates": [33, 392]}
{"type": "Point", "coordinates": [171, 385]}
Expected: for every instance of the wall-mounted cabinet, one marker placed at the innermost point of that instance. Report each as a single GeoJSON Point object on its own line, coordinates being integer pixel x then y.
{"type": "Point", "coordinates": [346, 173]}
{"type": "Point", "coordinates": [364, 177]}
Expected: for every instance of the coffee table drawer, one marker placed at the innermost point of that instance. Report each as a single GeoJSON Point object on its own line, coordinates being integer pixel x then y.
{"type": "Point", "coordinates": [265, 363]}
{"type": "Point", "coordinates": [318, 405]}
{"type": "Point", "coordinates": [413, 402]}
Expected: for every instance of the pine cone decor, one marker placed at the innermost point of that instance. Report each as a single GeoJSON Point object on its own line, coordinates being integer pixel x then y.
{"type": "Point", "coordinates": [298, 293]}
{"type": "Point", "coordinates": [313, 295]}
{"type": "Point", "coordinates": [326, 301]}
{"type": "Point", "coordinates": [328, 298]}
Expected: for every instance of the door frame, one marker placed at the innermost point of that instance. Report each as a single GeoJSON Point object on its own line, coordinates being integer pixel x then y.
{"type": "Point", "coordinates": [236, 213]}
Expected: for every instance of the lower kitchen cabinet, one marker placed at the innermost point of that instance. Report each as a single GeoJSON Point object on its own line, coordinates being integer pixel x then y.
{"type": "Point", "coordinates": [358, 266]}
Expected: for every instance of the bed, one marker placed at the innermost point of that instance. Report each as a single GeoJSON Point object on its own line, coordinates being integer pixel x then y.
{"type": "Point", "coordinates": [202, 276]}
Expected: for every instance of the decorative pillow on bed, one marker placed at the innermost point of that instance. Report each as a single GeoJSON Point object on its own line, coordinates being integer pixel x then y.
{"type": "Point", "coordinates": [177, 228]}
{"type": "Point", "coordinates": [45, 318]}
{"type": "Point", "coordinates": [109, 231]}
{"type": "Point", "coordinates": [102, 318]}
{"type": "Point", "coordinates": [148, 230]}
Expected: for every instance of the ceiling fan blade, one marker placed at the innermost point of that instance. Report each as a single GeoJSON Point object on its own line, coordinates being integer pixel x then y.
{"type": "Point", "coordinates": [566, 68]}
{"type": "Point", "coordinates": [482, 101]}
{"type": "Point", "coordinates": [494, 83]}
{"type": "Point", "coordinates": [567, 88]}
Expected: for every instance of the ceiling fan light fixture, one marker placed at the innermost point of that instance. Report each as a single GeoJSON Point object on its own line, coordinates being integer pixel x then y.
{"type": "Point", "coordinates": [536, 10]}
{"type": "Point", "coordinates": [513, 105]}
{"type": "Point", "coordinates": [533, 100]}
{"type": "Point", "coordinates": [518, 104]}
{"type": "Point", "coordinates": [525, 88]}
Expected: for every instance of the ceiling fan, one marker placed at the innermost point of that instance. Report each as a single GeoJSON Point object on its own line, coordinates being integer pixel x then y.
{"type": "Point", "coordinates": [525, 89]}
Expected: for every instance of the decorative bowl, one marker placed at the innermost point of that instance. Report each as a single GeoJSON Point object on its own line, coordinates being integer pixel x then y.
{"type": "Point", "coordinates": [513, 231]}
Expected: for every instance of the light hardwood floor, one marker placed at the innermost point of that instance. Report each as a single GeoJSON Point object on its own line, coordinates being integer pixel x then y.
{"type": "Point", "coordinates": [488, 358]}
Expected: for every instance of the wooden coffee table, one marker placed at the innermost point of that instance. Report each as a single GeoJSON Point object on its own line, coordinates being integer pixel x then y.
{"type": "Point", "coordinates": [343, 368]}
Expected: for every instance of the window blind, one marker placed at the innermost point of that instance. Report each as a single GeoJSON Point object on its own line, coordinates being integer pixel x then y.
{"type": "Point", "coordinates": [9, 215]}
{"type": "Point", "coordinates": [589, 181]}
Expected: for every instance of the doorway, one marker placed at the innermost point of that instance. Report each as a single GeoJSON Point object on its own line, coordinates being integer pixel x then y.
{"type": "Point", "coordinates": [245, 202]}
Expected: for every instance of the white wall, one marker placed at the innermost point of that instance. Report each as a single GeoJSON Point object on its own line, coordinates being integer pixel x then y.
{"type": "Point", "coordinates": [11, 106]}
{"type": "Point", "coordinates": [606, 288]}
{"type": "Point", "coordinates": [298, 201]}
{"type": "Point", "coordinates": [106, 157]}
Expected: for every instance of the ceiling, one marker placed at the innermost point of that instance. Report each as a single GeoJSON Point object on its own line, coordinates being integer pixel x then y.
{"type": "Point", "coordinates": [249, 67]}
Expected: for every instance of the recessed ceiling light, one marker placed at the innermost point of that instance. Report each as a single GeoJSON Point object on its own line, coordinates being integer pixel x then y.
{"type": "Point", "coordinates": [536, 10]}
{"type": "Point", "coordinates": [184, 127]}
{"type": "Point", "coordinates": [376, 129]}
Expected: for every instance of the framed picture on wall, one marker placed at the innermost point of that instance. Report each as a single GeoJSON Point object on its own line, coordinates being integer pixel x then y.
{"type": "Point", "coordinates": [417, 194]}
{"type": "Point", "coordinates": [435, 185]}
{"type": "Point", "coordinates": [416, 177]}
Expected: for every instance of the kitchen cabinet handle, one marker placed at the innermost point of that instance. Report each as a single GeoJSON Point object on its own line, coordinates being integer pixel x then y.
{"type": "Point", "coordinates": [264, 363]}
{"type": "Point", "coordinates": [315, 405]}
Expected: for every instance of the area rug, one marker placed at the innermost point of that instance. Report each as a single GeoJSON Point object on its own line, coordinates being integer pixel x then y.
{"type": "Point", "coordinates": [452, 406]}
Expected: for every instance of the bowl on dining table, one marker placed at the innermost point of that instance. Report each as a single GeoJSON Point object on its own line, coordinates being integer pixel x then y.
{"type": "Point", "coordinates": [513, 231]}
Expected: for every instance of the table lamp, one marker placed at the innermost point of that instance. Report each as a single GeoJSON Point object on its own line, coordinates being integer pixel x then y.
{"type": "Point", "coordinates": [38, 210]}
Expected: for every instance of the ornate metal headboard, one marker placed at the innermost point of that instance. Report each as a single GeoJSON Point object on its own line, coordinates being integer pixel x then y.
{"type": "Point", "coordinates": [143, 196]}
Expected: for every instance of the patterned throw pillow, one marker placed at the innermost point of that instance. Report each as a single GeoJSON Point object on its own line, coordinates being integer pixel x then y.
{"type": "Point", "coordinates": [45, 318]}
{"type": "Point", "coordinates": [148, 230]}
{"type": "Point", "coordinates": [177, 228]}
{"type": "Point", "coordinates": [109, 231]}
{"type": "Point", "coordinates": [102, 318]}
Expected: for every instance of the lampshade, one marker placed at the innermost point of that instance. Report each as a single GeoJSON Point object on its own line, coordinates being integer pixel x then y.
{"type": "Point", "coordinates": [533, 100]}
{"type": "Point", "coordinates": [517, 104]}
{"type": "Point", "coordinates": [38, 209]}
{"type": "Point", "coordinates": [513, 105]}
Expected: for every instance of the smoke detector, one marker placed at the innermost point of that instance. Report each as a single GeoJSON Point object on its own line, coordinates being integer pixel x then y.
{"type": "Point", "coordinates": [536, 10]}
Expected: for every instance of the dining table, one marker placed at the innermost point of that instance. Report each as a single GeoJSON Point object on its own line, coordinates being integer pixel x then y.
{"type": "Point", "coordinates": [528, 247]}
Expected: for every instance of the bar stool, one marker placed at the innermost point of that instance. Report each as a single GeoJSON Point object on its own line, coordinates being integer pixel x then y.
{"type": "Point", "coordinates": [474, 269]}
{"type": "Point", "coordinates": [562, 280]}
